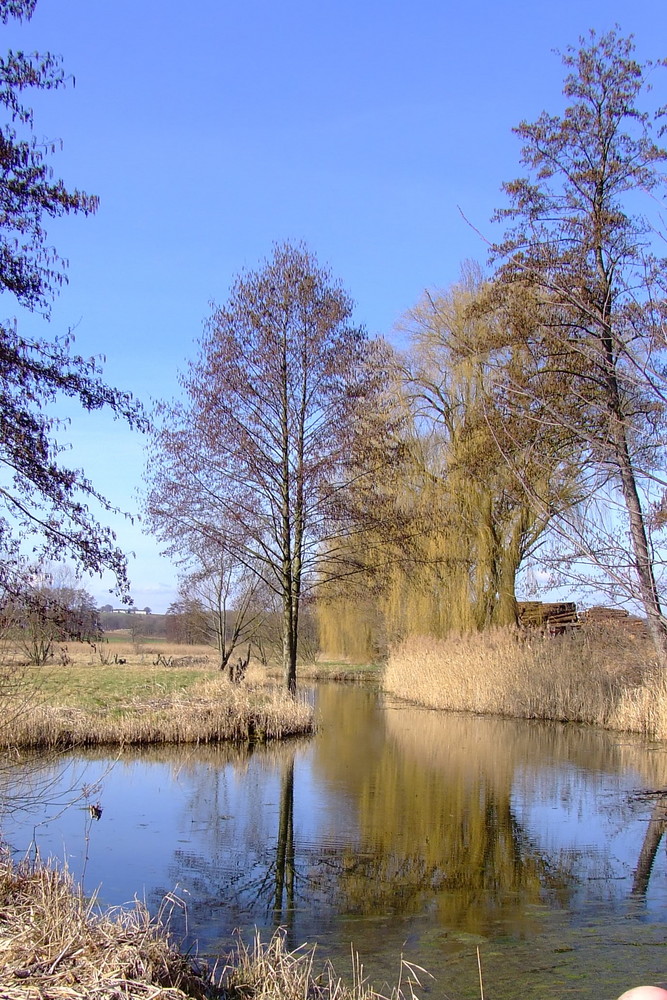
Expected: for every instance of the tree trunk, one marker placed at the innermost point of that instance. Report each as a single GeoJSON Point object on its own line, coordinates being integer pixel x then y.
{"type": "Point", "coordinates": [641, 556]}
{"type": "Point", "coordinates": [289, 644]}
{"type": "Point", "coordinates": [648, 590]}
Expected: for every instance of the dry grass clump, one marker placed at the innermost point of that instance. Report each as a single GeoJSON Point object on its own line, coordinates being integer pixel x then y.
{"type": "Point", "coordinates": [604, 678]}
{"type": "Point", "coordinates": [268, 971]}
{"type": "Point", "coordinates": [55, 945]}
{"type": "Point", "coordinates": [210, 711]}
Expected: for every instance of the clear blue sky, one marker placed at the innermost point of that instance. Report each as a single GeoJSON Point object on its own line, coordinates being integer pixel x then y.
{"type": "Point", "coordinates": [209, 132]}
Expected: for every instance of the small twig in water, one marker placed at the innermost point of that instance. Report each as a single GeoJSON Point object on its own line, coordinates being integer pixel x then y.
{"type": "Point", "coordinates": [479, 966]}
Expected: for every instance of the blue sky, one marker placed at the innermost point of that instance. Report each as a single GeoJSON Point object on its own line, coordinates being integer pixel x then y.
{"type": "Point", "coordinates": [365, 129]}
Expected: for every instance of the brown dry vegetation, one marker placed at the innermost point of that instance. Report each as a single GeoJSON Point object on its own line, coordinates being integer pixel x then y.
{"type": "Point", "coordinates": [56, 945]}
{"type": "Point", "coordinates": [604, 678]}
{"type": "Point", "coordinates": [89, 703]}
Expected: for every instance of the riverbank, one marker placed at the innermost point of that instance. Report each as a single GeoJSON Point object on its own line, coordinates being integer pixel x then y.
{"type": "Point", "coordinates": [602, 678]}
{"type": "Point", "coordinates": [56, 945]}
{"type": "Point", "coordinates": [142, 700]}
{"type": "Point", "coordinates": [334, 670]}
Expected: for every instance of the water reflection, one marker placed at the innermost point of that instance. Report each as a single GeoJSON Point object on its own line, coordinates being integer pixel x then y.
{"type": "Point", "coordinates": [655, 830]}
{"type": "Point", "coordinates": [284, 897]}
{"type": "Point", "coordinates": [398, 829]}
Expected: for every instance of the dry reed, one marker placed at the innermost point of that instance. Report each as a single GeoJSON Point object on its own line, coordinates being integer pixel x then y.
{"type": "Point", "coordinates": [56, 945]}
{"type": "Point", "coordinates": [268, 971]}
{"type": "Point", "coordinates": [211, 711]}
{"type": "Point", "coordinates": [604, 678]}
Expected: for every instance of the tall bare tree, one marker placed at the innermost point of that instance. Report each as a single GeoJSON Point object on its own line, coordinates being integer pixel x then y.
{"type": "Point", "coordinates": [256, 458]}
{"type": "Point", "coordinates": [596, 340]}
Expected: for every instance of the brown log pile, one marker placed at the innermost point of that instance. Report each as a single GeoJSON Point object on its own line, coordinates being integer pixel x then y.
{"type": "Point", "coordinates": [554, 617]}
{"type": "Point", "coordinates": [618, 618]}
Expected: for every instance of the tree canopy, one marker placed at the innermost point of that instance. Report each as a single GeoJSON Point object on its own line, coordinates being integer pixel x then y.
{"type": "Point", "coordinates": [257, 459]}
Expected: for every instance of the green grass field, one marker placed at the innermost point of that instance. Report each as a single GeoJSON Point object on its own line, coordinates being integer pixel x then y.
{"type": "Point", "coordinates": [113, 687]}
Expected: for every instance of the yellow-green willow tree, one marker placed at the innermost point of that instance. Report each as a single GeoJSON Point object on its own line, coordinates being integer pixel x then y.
{"type": "Point", "coordinates": [467, 522]}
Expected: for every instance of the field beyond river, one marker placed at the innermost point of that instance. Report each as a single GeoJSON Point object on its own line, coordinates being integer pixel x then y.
{"type": "Point", "coordinates": [123, 694]}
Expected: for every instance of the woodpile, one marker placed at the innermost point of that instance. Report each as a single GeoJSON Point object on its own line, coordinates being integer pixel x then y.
{"type": "Point", "coordinates": [553, 617]}
{"type": "Point", "coordinates": [615, 618]}
{"type": "Point", "coordinates": [558, 617]}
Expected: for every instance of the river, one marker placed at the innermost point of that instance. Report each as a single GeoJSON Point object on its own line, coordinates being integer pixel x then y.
{"type": "Point", "coordinates": [395, 830]}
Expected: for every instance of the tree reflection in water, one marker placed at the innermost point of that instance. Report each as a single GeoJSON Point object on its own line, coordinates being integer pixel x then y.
{"type": "Point", "coordinates": [655, 830]}
{"type": "Point", "coordinates": [404, 812]}
{"type": "Point", "coordinates": [283, 906]}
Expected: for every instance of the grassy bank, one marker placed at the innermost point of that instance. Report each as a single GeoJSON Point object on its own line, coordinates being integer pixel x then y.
{"type": "Point", "coordinates": [142, 701]}
{"type": "Point", "coordinates": [603, 678]}
{"type": "Point", "coordinates": [56, 945]}
{"type": "Point", "coordinates": [335, 670]}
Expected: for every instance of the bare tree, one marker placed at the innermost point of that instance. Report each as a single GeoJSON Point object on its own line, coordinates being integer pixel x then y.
{"type": "Point", "coordinates": [231, 596]}
{"type": "Point", "coordinates": [594, 337]}
{"type": "Point", "coordinates": [255, 460]}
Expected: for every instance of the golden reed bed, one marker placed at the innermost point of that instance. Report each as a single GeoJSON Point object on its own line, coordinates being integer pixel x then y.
{"type": "Point", "coordinates": [595, 677]}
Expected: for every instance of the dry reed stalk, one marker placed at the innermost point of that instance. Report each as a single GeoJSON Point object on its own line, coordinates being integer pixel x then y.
{"type": "Point", "coordinates": [587, 676]}
{"type": "Point", "coordinates": [212, 711]}
{"type": "Point", "coordinates": [268, 971]}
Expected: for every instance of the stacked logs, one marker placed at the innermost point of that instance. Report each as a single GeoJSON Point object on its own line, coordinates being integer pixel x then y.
{"type": "Point", "coordinates": [609, 618]}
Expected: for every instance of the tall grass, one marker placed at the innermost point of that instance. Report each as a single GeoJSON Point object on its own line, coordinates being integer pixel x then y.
{"type": "Point", "coordinates": [604, 678]}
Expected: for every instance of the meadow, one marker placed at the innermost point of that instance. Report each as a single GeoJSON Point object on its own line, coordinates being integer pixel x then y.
{"type": "Point", "coordinates": [133, 694]}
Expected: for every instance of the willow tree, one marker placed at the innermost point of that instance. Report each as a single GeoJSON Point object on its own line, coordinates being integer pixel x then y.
{"type": "Point", "coordinates": [255, 458]}
{"type": "Point", "coordinates": [467, 523]}
{"type": "Point", "coordinates": [576, 238]}
{"type": "Point", "coordinates": [483, 525]}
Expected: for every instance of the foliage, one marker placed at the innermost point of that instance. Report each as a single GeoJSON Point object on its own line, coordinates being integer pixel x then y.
{"type": "Point", "coordinates": [466, 524]}
{"type": "Point", "coordinates": [255, 461]}
{"type": "Point", "coordinates": [594, 335]}
{"type": "Point", "coordinates": [40, 497]}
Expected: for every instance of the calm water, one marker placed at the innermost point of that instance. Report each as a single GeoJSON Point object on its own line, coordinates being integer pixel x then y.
{"type": "Point", "coordinates": [399, 830]}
